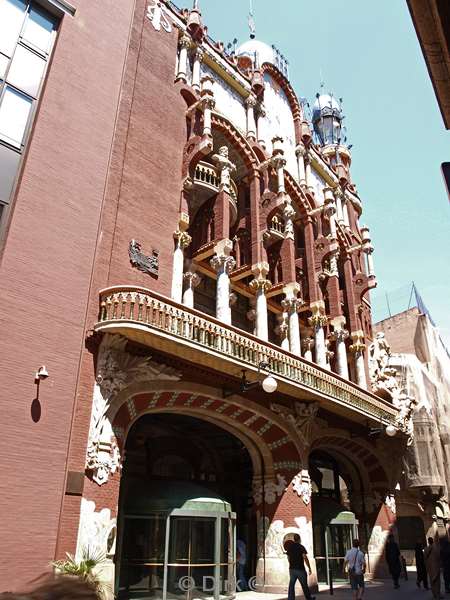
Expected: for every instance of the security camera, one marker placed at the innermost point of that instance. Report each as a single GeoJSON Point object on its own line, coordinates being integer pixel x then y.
{"type": "Point", "coordinates": [41, 373]}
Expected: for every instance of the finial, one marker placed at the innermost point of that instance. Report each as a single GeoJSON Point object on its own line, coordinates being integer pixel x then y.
{"type": "Point", "coordinates": [195, 7]}
{"type": "Point", "coordinates": [251, 22]}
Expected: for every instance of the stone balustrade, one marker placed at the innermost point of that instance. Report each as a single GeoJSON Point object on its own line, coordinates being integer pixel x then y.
{"type": "Point", "coordinates": [132, 307]}
{"type": "Point", "coordinates": [206, 174]}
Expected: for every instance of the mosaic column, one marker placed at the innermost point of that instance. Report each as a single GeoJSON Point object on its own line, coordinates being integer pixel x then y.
{"type": "Point", "coordinates": [184, 44]}
{"type": "Point", "coordinates": [192, 280]}
{"type": "Point", "coordinates": [182, 241]}
{"type": "Point", "coordinates": [308, 345]}
{"type": "Point", "coordinates": [198, 59]}
{"type": "Point", "coordinates": [223, 264]}
{"type": "Point", "coordinates": [260, 285]}
{"type": "Point", "coordinates": [207, 103]}
{"type": "Point", "coordinates": [340, 335]}
{"type": "Point", "coordinates": [250, 103]}
{"type": "Point", "coordinates": [358, 347]}
{"type": "Point", "coordinates": [292, 305]}
{"type": "Point", "coordinates": [318, 320]}
{"type": "Point", "coordinates": [368, 250]}
{"type": "Point", "coordinates": [300, 152]}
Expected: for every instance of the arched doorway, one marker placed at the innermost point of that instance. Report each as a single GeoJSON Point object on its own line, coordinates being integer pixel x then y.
{"type": "Point", "coordinates": [334, 522]}
{"type": "Point", "coordinates": [185, 497]}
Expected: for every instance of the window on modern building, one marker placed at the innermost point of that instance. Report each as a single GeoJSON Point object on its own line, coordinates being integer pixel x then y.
{"type": "Point", "coordinates": [27, 33]}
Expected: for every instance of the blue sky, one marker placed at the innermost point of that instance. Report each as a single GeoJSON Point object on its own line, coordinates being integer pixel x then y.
{"type": "Point", "coordinates": [368, 54]}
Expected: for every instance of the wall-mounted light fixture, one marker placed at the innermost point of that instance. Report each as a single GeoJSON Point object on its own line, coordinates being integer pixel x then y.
{"type": "Point", "coordinates": [41, 374]}
{"type": "Point", "coordinates": [268, 384]}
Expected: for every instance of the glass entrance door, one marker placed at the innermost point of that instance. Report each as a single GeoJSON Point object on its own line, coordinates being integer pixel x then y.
{"type": "Point", "coordinates": [338, 540]}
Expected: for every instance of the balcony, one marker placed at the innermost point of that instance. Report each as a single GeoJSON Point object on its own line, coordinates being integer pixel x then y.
{"type": "Point", "coordinates": [155, 321]}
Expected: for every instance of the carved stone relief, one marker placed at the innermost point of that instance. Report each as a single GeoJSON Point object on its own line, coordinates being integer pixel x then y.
{"type": "Point", "coordinates": [301, 417]}
{"type": "Point", "coordinates": [116, 369]}
{"type": "Point", "coordinates": [302, 486]}
{"type": "Point", "coordinates": [272, 490]}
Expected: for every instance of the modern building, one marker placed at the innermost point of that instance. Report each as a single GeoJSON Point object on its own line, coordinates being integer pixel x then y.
{"type": "Point", "coordinates": [421, 364]}
{"type": "Point", "coordinates": [185, 309]}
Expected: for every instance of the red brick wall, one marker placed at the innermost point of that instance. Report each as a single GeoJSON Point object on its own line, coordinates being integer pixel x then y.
{"type": "Point", "coordinates": [45, 277]}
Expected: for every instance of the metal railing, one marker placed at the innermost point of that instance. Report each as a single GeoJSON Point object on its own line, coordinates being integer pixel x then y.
{"type": "Point", "coordinates": [126, 304]}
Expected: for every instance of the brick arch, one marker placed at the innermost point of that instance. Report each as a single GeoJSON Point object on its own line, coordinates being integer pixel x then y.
{"type": "Point", "coordinates": [362, 455]}
{"type": "Point", "coordinates": [236, 139]}
{"type": "Point", "coordinates": [261, 435]}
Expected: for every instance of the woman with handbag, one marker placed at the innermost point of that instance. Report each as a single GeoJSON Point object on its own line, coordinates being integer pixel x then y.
{"type": "Point", "coordinates": [355, 562]}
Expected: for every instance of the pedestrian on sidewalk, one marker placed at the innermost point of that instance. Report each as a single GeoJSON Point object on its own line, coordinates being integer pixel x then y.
{"type": "Point", "coordinates": [420, 566]}
{"type": "Point", "coordinates": [392, 554]}
{"type": "Point", "coordinates": [433, 564]}
{"type": "Point", "coordinates": [298, 557]}
{"type": "Point", "coordinates": [355, 563]}
{"type": "Point", "coordinates": [445, 562]}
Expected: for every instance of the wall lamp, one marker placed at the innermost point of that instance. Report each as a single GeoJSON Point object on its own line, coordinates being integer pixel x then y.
{"type": "Point", "coordinates": [389, 430]}
{"type": "Point", "coordinates": [268, 384]}
{"type": "Point", "coordinates": [41, 374]}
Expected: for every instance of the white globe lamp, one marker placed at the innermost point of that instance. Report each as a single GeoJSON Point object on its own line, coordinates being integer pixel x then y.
{"type": "Point", "coordinates": [391, 430]}
{"type": "Point", "coordinates": [269, 384]}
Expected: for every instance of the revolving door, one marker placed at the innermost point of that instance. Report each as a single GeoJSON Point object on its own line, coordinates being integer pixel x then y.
{"type": "Point", "coordinates": [185, 554]}
{"type": "Point", "coordinates": [331, 542]}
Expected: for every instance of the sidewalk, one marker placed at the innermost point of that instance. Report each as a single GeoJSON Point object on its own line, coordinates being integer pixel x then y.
{"type": "Point", "coordinates": [376, 589]}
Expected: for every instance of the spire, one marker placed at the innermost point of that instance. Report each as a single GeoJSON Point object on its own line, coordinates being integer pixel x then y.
{"type": "Point", "coordinates": [251, 21]}
{"type": "Point", "coordinates": [195, 7]}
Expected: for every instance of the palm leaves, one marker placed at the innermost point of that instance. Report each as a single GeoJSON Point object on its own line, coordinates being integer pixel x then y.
{"type": "Point", "coordinates": [88, 568]}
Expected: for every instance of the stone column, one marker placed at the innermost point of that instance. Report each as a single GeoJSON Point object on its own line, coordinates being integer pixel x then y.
{"type": "Point", "coordinates": [223, 264]}
{"type": "Point", "coordinates": [345, 212]}
{"type": "Point", "coordinates": [192, 280]}
{"type": "Point", "coordinates": [261, 126]}
{"type": "Point", "coordinates": [182, 241]}
{"type": "Point", "coordinates": [308, 175]}
{"type": "Point", "coordinates": [357, 348]}
{"type": "Point", "coordinates": [250, 103]}
{"type": "Point", "coordinates": [340, 335]}
{"type": "Point", "coordinates": [184, 45]}
{"type": "Point", "coordinates": [300, 152]}
{"type": "Point", "coordinates": [330, 210]}
{"type": "Point", "coordinates": [308, 344]}
{"type": "Point", "coordinates": [283, 330]}
{"type": "Point", "coordinates": [318, 320]}
{"type": "Point", "coordinates": [368, 250]}
{"type": "Point", "coordinates": [260, 285]}
{"type": "Point", "coordinates": [207, 102]}
{"type": "Point", "coordinates": [291, 305]}
{"type": "Point", "coordinates": [198, 59]}
{"type": "Point", "coordinates": [279, 162]}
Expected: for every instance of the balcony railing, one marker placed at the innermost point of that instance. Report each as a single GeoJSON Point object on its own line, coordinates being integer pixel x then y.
{"type": "Point", "coordinates": [130, 308]}
{"type": "Point", "coordinates": [206, 175]}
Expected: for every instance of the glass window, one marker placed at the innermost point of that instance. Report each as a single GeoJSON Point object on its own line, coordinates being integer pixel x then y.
{"type": "Point", "coordinates": [39, 28]}
{"type": "Point", "coordinates": [3, 64]}
{"type": "Point", "coordinates": [12, 13]}
{"type": "Point", "coordinates": [14, 112]}
{"type": "Point", "coordinates": [26, 71]}
{"type": "Point", "coordinates": [9, 161]}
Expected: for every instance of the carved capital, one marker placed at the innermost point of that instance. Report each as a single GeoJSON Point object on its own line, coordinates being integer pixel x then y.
{"type": "Point", "coordinates": [358, 344]}
{"type": "Point", "coordinates": [223, 262]}
{"type": "Point", "coordinates": [318, 317]}
{"type": "Point", "coordinates": [260, 284]}
{"type": "Point", "coordinates": [339, 335]}
{"type": "Point", "coordinates": [192, 279]}
{"type": "Point", "coordinates": [199, 54]}
{"type": "Point", "coordinates": [250, 101]}
{"type": "Point", "coordinates": [185, 41]}
{"type": "Point", "coordinates": [291, 304]}
{"type": "Point", "coordinates": [308, 344]}
{"type": "Point", "coordinates": [300, 150]}
{"type": "Point", "coordinates": [182, 239]}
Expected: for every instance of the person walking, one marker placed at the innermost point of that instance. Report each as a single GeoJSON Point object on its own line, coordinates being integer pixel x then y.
{"type": "Point", "coordinates": [298, 558]}
{"type": "Point", "coordinates": [392, 554]}
{"type": "Point", "coordinates": [241, 558]}
{"type": "Point", "coordinates": [433, 564]}
{"type": "Point", "coordinates": [445, 562]}
{"type": "Point", "coordinates": [355, 563]}
{"type": "Point", "coordinates": [420, 566]}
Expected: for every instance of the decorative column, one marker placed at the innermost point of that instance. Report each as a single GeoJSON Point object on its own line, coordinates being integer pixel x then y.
{"type": "Point", "coordinates": [261, 126]}
{"type": "Point", "coordinates": [300, 152]}
{"type": "Point", "coordinates": [283, 330]}
{"type": "Point", "coordinates": [345, 212]}
{"type": "Point", "coordinates": [358, 347]}
{"type": "Point", "coordinates": [207, 102]}
{"type": "Point", "coordinates": [308, 174]}
{"type": "Point", "coordinates": [308, 344]}
{"type": "Point", "coordinates": [340, 335]}
{"type": "Point", "coordinates": [198, 59]}
{"type": "Point", "coordinates": [279, 162]}
{"type": "Point", "coordinates": [250, 103]}
{"type": "Point", "coordinates": [330, 210]}
{"type": "Point", "coordinates": [182, 241]}
{"type": "Point", "coordinates": [318, 320]}
{"type": "Point", "coordinates": [328, 355]}
{"type": "Point", "coordinates": [184, 45]}
{"type": "Point", "coordinates": [192, 280]}
{"type": "Point", "coordinates": [368, 250]}
{"type": "Point", "coordinates": [223, 264]}
{"type": "Point", "coordinates": [291, 305]}
{"type": "Point", "coordinates": [338, 196]}
{"type": "Point", "coordinates": [260, 285]}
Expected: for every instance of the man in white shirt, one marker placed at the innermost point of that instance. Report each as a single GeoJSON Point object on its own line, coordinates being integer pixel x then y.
{"type": "Point", "coordinates": [356, 564]}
